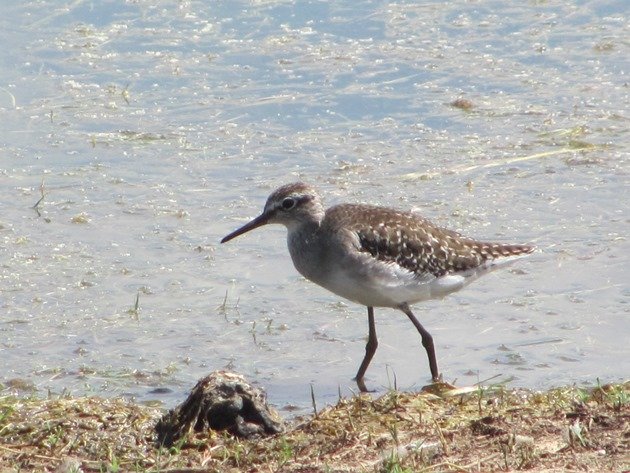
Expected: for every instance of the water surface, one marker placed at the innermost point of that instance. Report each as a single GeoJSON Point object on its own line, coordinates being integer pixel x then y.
{"type": "Point", "coordinates": [154, 130]}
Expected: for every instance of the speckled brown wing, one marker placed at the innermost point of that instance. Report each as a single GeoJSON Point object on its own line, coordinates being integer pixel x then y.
{"type": "Point", "coordinates": [415, 243]}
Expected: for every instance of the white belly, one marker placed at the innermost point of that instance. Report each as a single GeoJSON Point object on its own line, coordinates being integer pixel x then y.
{"type": "Point", "coordinates": [378, 284]}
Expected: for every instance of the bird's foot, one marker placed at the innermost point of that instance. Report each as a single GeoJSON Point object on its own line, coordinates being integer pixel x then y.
{"type": "Point", "coordinates": [362, 387]}
{"type": "Point", "coordinates": [438, 387]}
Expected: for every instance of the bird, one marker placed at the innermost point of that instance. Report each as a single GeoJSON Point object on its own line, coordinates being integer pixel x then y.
{"type": "Point", "coordinates": [378, 256]}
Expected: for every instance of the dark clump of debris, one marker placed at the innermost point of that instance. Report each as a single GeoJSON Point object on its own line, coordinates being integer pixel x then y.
{"type": "Point", "coordinates": [462, 103]}
{"type": "Point", "coordinates": [220, 401]}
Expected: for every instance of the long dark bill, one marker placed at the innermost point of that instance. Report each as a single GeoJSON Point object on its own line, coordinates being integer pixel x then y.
{"type": "Point", "coordinates": [257, 222]}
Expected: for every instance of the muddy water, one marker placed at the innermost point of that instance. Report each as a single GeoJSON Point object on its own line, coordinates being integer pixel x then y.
{"type": "Point", "coordinates": [151, 131]}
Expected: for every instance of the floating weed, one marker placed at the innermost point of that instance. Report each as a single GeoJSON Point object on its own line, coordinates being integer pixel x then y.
{"type": "Point", "coordinates": [391, 378]}
{"type": "Point", "coordinates": [135, 310]}
{"type": "Point", "coordinates": [12, 98]}
{"type": "Point", "coordinates": [486, 165]}
{"type": "Point", "coordinates": [568, 140]}
{"type": "Point", "coordinates": [125, 94]}
{"type": "Point", "coordinates": [42, 191]}
{"type": "Point", "coordinates": [224, 308]}
{"type": "Point", "coordinates": [313, 403]}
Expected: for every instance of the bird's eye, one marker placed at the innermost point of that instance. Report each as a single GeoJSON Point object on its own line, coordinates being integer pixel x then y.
{"type": "Point", "coordinates": [288, 203]}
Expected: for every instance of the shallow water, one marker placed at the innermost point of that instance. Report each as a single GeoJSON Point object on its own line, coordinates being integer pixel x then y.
{"type": "Point", "coordinates": [154, 130]}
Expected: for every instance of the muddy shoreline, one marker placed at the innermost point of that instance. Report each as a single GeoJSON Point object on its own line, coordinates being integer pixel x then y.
{"type": "Point", "coordinates": [484, 429]}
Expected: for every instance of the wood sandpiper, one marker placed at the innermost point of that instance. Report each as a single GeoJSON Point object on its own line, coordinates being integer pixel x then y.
{"type": "Point", "coordinates": [377, 256]}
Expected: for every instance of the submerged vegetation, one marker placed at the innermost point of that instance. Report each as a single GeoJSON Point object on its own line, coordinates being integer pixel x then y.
{"type": "Point", "coordinates": [563, 429]}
